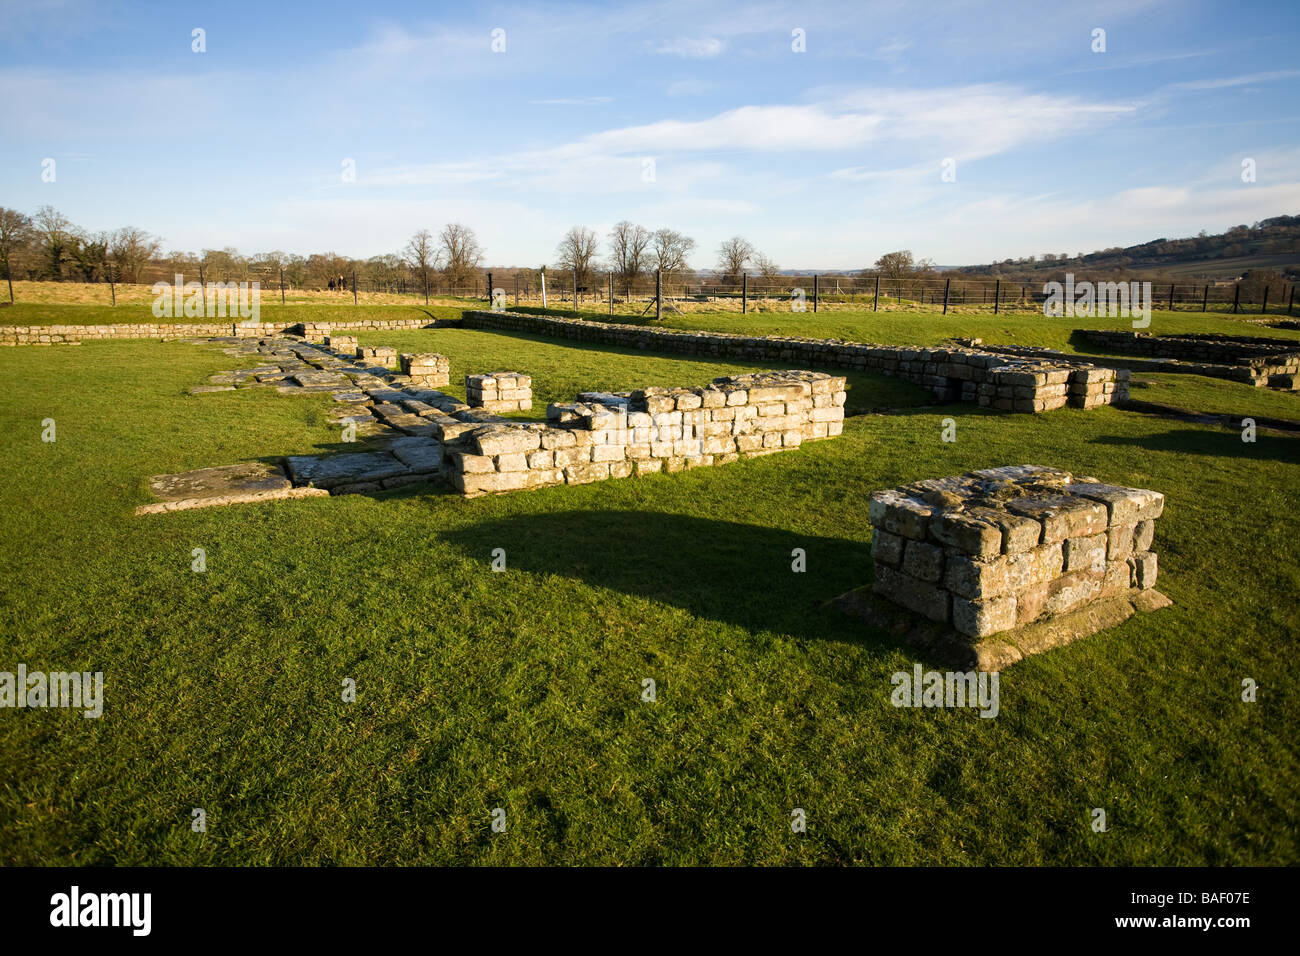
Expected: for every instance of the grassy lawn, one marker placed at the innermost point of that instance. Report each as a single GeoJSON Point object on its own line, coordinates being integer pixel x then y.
{"type": "Point", "coordinates": [1215, 396]}
{"type": "Point", "coordinates": [521, 689]}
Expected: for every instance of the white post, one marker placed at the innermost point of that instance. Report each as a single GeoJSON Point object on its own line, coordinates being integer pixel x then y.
{"type": "Point", "coordinates": [543, 290]}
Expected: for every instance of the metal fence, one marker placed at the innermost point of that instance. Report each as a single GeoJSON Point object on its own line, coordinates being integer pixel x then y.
{"type": "Point", "coordinates": [696, 291]}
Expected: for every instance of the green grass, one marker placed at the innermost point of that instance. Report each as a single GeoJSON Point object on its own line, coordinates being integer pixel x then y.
{"type": "Point", "coordinates": [521, 689]}
{"type": "Point", "coordinates": [931, 328]}
{"type": "Point", "coordinates": [1214, 396]}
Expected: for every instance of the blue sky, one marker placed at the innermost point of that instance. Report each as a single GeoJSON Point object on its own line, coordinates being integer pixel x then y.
{"type": "Point", "coordinates": [823, 159]}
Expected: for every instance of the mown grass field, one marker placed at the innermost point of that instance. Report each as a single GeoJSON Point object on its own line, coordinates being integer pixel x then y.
{"type": "Point", "coordinates": [522, 689]}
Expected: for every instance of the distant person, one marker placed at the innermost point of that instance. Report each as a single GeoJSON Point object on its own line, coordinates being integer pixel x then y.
{"type": "Point", "coordinates": [331, 285]}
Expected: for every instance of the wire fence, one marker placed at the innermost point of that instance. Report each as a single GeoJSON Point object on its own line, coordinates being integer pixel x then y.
{"type": "Point", "coordinates": [682, 291]}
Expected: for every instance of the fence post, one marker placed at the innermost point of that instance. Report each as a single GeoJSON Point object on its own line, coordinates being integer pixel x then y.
{"type": "Point", "coordinates": [10, 279]}
{"type": "Point", "coordinates": [112, 288]}
{"type": "Point", "coordinates": [946, 283]}
{"type": "Point", "coordinates": [1264, 305]}
{"type": "Point", "coordinates": [354, 285]}
{"type": "Point", "coordinates": [611, 293]}
{"type": "Point", "coordinates": [426, 287]}
{"type": "Point", "coordinates": [997, 294]}
{"type": "Point", "coordinates": [516, 290]}
{"type": "Point", "coordinates": [1205, 297]}
{"type": "Point", "coordinates": [744, 293]}
{"type": "Point", "coordinates": [203, 291]}
{"type": "Point", "coordinates": [1236, 298]}
{"type": "Point", "coordinates": [282, 285]}
{"type": "Point", "coordinates": [543, 288]}
{"type": "Point", "coordinates": [659, 302]}
{"type": "Point", "coordinates": [875, 302]}
{"type": "Point", "coordinates": [814, 293]}
{"type": "Point", "coordinates": [1290, 302]}
{"type": "Point", "coordinates": [1171, 297]}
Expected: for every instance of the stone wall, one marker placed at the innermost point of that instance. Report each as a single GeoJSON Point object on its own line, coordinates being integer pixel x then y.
{"type": "Point", "coordinates": [1002, 548]}
{"type": "Point", "coordinates": [313, 331]}
{"type": "Point", "coordinates": [650, 430]}
{"type": "Point", "coordinates": [70, 334]}
{"type": "Point", "coordinates": [1011, 383]}
{"type": "Point", "coordinates": [1250, 359]}
{"type": "Point", "coordinates": [427, 369]}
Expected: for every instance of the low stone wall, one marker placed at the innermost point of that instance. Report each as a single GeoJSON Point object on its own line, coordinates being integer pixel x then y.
{"type": "Point", "coordinates": [1002, 548]}
{"type": "Point", "coordinates": [646, 431]}
{"type": "Point", "coordinates": [1011, 383]}
{"type": "Point", "coordinates": [69, 334]}
{"type": "Point", "coordinates": [312, 331]}
{"type": "Point", "coordinates": [500, 391]}
{"type": "Point", "coordinates": [1251, 359]}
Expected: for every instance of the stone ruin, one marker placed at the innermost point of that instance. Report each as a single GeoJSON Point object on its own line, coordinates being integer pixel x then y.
{"type": "Point", "coordinates": [409, 433]}
{"type": "Point", "coordinates": [1010, 561]}
{"type": "Point", "coordinates": [500, 391]}
{"type": "Point", "coordinates": [427, 369]}
{"type": "Point", "coordinates": [606, 435]}
{"type": "Point", "coordinates": [1257, 361]}
{"type": "Point", "coordinates": [984, 376]}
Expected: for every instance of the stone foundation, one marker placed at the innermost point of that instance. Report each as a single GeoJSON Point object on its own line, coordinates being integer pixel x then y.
{"type": "Point", "coordinates": [1002, 549]}
{"type": "Point", "coordinates": [1262, 362]}
{"type": "Point", "coordinates": [954, 373]}
{"type": "Point", "coordinates": [427, 368]}
{"type": "Point", "coordinates": [500, 391]}
{"type": "Point", "coordinates": [380, 355]}
{"type": "Point", "coordinates": [647, 431]}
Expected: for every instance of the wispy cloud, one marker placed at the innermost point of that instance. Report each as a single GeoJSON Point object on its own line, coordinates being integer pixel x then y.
{"type": "Point", "coordinates": [695, 48]}
{"type": "Point", "coordinates": [574, 101]}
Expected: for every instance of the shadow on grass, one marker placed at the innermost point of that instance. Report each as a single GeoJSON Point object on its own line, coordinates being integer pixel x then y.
{"type": "Point", "coordinates": [716, 570]}
{"type": "Point", "coordinates": [1213, 443]}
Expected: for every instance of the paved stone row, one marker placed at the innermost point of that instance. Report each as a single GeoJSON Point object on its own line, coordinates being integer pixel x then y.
{"type": "Point", "coordinates": [402, 421]}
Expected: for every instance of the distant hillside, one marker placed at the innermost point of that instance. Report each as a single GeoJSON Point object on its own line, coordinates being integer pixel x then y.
{"type": "Point", "coordinates": [1272, 245]}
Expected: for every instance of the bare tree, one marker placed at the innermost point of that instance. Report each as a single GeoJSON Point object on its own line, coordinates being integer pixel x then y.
{"type": "Point", "coordinates": [55, 233]}
{"type": "Point", "coordinates": [131, 250]}
{"type": "Point", "coordinates": [421, 256]}
{"type": "Point", "coordinates": [577, 253]}
{"type": "Point", "coordinates": [765, 266]}
{"type": "Point", "coordinates": [15, 232]}
{"type": "Point", "coordinates": [460, 253]}
{"type": "Point", "coordinates": [732, 256]}
{"type": "Point", "coordinates": [670, 251]}
{"type": "Point", "coordinates": [629, 251]}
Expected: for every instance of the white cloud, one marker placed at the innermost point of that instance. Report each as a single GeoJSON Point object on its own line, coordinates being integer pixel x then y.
{"type": "Point", "coordinates": [696, 48]}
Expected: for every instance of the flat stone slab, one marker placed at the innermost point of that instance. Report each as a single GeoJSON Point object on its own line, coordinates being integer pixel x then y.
{"type": "Point", "coordinates": [418, 454]}
{"type": "Point", "coordinates": [320, 379]}
{"type": "Point", "coordinates": [348, 468]}
{"type": "Point", "coordinates": [224, 485]}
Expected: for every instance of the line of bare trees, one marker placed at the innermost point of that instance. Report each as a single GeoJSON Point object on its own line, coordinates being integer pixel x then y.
{"type": "Point", "coordinates": [635, 252]}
